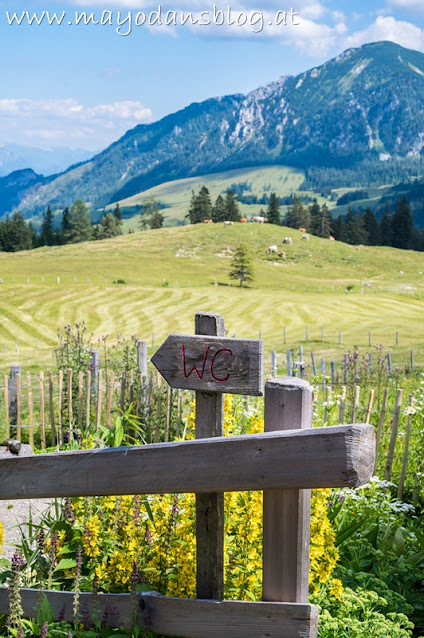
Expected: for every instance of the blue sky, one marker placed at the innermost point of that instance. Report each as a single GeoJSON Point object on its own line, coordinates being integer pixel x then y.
{"type": "Point", "coordinates": [84, 86]}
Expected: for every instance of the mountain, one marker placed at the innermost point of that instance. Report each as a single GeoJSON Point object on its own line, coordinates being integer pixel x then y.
{"type": "Point", "coordinates": [365, 105]}
{"type": "Point", "coordinates": [14, 157]}
{"type": "Point", "coordinates": [17, 185]}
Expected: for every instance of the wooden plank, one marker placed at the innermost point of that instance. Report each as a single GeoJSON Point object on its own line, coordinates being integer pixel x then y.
{"type": "Point", "coordinates": [335, 456]}
{"type": "Point", "coordinates": [51, 408]}
{"type": "Point", "coordinates": [356, 402]}
{"type": "Point", "coordinates": [168, 412]}
{"type": "Point", "coordinates": [42, 413]}
{"type": "Point", "coordinates": [227, 619]}
{"type": "Point", "coordinates": [209, 506]}
{"type": "Point", "coordinates": [6, 405]}
{"type": "Point", "coordinates": [211, 364]}
{"type": "Point", "coordinates": [286, 521]}
{"type": "Point", "coordinates": [182, 617]}
{"type": "Point", "coordinates": [30, 411]}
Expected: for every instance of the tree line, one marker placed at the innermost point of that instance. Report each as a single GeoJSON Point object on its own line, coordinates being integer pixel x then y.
{"type": "Point", "coordinates": [75, 226]}
{"type": "Point", "coordinates": [394, 228]}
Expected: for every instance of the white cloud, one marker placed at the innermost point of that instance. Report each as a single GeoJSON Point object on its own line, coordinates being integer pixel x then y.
{"type": "Point", "coordinates": [388, 28]}
{"type": "Point", "coordinates": [416, 6]}
{"type": "Point", "coordinates": [67, 122]}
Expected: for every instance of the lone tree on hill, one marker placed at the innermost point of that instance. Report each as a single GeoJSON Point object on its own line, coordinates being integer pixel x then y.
{"type": "Point", "coordinates": [151, 217]}
{"type": "Point", "coordinates": [241, 266]}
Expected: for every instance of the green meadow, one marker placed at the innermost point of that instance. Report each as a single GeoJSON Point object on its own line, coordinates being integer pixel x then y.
{"type": "Point", "coordinates": [163, 277]}
{"type": "Point", "coordinates": [175, 196]}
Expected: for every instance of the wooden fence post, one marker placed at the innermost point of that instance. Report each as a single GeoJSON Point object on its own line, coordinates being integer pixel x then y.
{"type": "Point", "coordinates": [405, 450]}
{"type": "Point", "coordinates": [80, 395]}
{"type": "Point", "coordinates": [60, 407]}
{"type": "Point", "coordinates": [288, 406]}
{"type": "Point", "coordinates": [14, 371]}
{"type": "Point", "coordinates": [99, 399]}
{"type": "Point", "coordinates": [6, 406]}
{"type": "Point", "coordinates": [42, 413]}
{"type": "Point", "coordinates": [18, 407]}
{"type": "Point", "coordinates": [88, 399]}
{"type": "Point", "coordinates": [110, 397]}
{"type": "Point", "coordinates": [209, 507]}
{"type": "Point", "coordinates": [30, 411]}
{"type": "Point", "coordinates": [52, 426]}
{"type": "Point", "coordinates": [381, 423]}
{"type": "Point", "coordinates": [142, 357]}
{"type": "Point", "coordinates": [70, 406]}
{"type": "Point", "coordinates": [392, 444]}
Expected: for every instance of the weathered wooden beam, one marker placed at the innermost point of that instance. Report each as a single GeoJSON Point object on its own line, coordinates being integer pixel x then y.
{"type": "Point", "coordinates": [211, 364]}
{"type": "Point", "coordinates": [288, 403]}
{"type": "Point", "coordinates": [183, 617]}
{"type": "Point", "coordinates": [209, 506]}
{"type": "Point", "coordinates": [336, 456]}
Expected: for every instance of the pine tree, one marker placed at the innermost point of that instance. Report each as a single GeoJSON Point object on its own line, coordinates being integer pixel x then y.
{"type": "Point", "coordinates": [273, 210]}
{"type": "Point", "coordinates": [386, 227]}
{"type": "Point", "coordinates": [339, 229]}
{"type": "Point", "coordinates": [232, 207]}
{"type": "Point", "coordinates": [65, 226]}
{"type": "Point", "coordinates": [241, 265]}
{"type": "Point", "coordinates": [194, 212]}
{"type": "Point", "coordinates": [219, 210]}
{"type": "Point", "coordinates": [372, 228]}
{"type": "Point", "coordinates": [355, 232]}
{"type": "Point", "coordinates": [80, 228]}
{"type": "Point", "coordinates": [18, 235]}
{"type": "Point", "coordinates": [117, 213]}
{"type": "Point", "coordinates": [326, 222]}
{"type": "Point", "coordinates": [316, 218]}
{"type": "Point", "coordinates": [152, 217]}
{"type": "Point", "coordinates": [47, 234]}
{"type": "Point", "coordinates": [298, 215]}
{"type": "Point", "coordinates": [109, 226]}
{"type": "Point", "coordinates": [402, 226]}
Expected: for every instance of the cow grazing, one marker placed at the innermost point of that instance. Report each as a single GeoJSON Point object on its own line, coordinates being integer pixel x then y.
{"type": "Point", "coordinates": [302, 230]}
{"type": "Point", "coordinates": [305, 237]}
{"type": "Point", "coordinates": [258, 219]}
{"type": "Point", "coordinates": [228, 223]}
{"type": "Point", "coordinates": [243, 220]}
{"type": "Point", "coordinates": [358, 248]}
{"type": "Point", "coordinates": [272, 249]}
{"type": "Point", "coordinates": [282, 254]}
{"type": "Point", "coordinates": [287, 240]}
{"type": "Point", "coordinates": [207, 221]}
{"type": "Point", "coordinates": [331, 238]}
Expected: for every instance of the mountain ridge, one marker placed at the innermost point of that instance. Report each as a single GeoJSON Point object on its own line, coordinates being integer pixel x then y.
{"type": "Point", "coordinates": [367, 103]}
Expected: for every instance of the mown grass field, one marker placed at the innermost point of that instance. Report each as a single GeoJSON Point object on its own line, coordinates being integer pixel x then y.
{"type": "Point", "coordinates": [172, 273]}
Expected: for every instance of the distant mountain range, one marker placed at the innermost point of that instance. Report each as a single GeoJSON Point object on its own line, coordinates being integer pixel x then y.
{"type": "Point", "coordinates": [14, 157]}
{"type": "Point", "coordinates": [365, 105]}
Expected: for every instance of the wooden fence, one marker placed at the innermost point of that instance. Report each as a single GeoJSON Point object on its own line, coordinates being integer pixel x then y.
{"type": "Point", "coordinates": [286, 461]}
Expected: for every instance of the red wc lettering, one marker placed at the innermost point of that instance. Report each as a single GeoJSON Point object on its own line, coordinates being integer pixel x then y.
{"type": "Point", "coordinates": [201, 371]}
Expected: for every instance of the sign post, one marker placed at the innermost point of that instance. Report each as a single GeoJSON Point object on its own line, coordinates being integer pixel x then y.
{"type": "Point", "coordinates": [211, 365]}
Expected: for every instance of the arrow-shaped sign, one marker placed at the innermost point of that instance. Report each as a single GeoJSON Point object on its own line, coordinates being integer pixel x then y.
{"type": "Point", "coordinates": [211, 364]}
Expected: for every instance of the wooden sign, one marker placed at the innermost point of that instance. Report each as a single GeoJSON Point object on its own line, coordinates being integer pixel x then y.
{"type": "Point", "coordinates": [211, 364]}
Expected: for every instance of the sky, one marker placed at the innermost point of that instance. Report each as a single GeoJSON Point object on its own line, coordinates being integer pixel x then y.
{"type": "Point", "coordinates": [83, 85]}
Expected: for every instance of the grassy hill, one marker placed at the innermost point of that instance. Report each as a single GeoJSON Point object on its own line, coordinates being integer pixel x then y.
{"type": "Point", "coordinates": [171, 273]}
{"type": "Point", "coordinates": [176, 195]}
